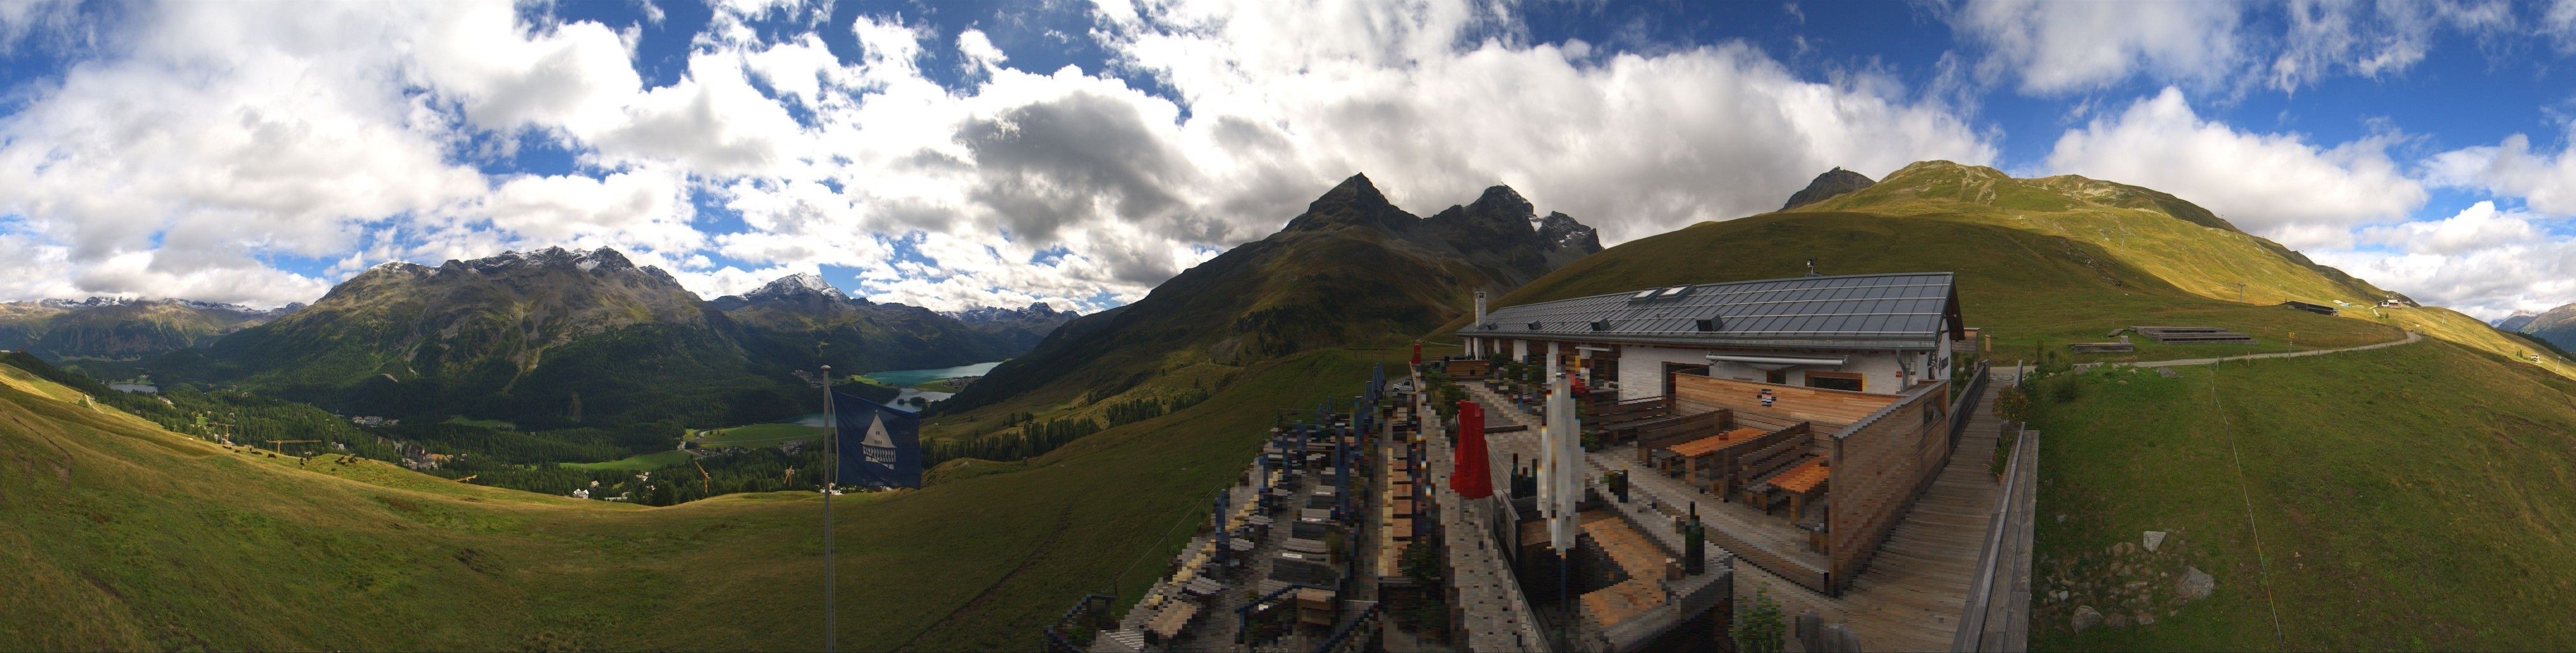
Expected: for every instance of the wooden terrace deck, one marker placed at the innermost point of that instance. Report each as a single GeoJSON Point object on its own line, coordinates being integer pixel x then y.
{"type": "Point", "coordinates": [1910, 596]}
{"type": "Point", "coordinates": [1643, 561]}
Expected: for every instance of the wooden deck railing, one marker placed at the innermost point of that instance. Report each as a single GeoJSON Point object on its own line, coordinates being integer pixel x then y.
{"type": "Point", "coordinates": [1997, 615]}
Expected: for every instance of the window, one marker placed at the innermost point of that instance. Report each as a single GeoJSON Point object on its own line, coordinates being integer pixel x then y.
{"type": "Point", "coordinates": [1776, 377]}
{"type": "Point", "coordinates": [1834, 381]}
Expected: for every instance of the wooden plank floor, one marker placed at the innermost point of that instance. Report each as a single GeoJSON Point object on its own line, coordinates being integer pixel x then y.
{"type": "Point", "coordinates": [1910, 596]}
{"type": "Point", "coordinates": [1643, 561]}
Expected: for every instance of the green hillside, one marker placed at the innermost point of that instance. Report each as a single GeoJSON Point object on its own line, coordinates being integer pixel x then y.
{"type": "Point", "coordinates": [2022, 288]}
{"type": "Point", "coordinates": [126, 536]}
{"type": "Point", "coordinates": [1353, 270]}
{"type": "Point", "coordinates": [2157, 234]}
{"type": "Point", "coordinates": [2419, 497]}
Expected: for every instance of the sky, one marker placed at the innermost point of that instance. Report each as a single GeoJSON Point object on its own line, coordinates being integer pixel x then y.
{"type": "Point", "coordinates": [958, 154]}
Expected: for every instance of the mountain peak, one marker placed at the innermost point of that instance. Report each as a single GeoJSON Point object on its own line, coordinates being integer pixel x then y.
{"type": "Point", "coordinates": [801, 283]}
{"type": "Point", "coordinates": [1502, 198]}
{"type": "Point", "coordinates": [1562, 233]}
{"type": "Point", "coordinates": [1355, 202]}
{"type": "Point", "coordinates": [1834, 182]}
{"type": "Point", "coordinates": [2516, 321]}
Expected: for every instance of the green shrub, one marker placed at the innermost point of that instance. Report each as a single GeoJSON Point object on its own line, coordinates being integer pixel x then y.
{"type": "Point", "coordinates": [1759, 626]}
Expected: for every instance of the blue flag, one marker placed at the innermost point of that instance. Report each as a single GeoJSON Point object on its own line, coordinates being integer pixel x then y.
{"type": "Point", "coordinates": [880, 444]}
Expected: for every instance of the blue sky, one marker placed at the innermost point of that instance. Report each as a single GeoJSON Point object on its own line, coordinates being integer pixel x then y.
{"type": "Point", "coordinates": [952, 154]}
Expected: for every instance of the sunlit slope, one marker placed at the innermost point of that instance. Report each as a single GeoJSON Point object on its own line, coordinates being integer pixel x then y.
{"type": "Point", "coordinates": [2420, 497]}
{"type": "Point", "coordinates": [122, 536]}
{"type": "Point", "coordinates": [2172, 240]}
{"type": "Point", "coordinates": [2181, 243]}
{"type": "Point", "coordinates": [2023, 288]}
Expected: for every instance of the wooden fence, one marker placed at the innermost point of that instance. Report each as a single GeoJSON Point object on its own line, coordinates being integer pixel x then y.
{"type": "Point", "coordinates": [1997, 617]}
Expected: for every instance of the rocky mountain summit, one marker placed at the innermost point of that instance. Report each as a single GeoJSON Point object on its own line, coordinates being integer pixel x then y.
{"type": "Point", "coordinates": [1834, 182]}
{"type": "Point", "coordinates": [992, 314]}
{"type": "Point", "coordinates": [121, 327]}
{"type": "Point", "coordinates": [1350, 271]}
{"type": "Point", "coordinates": [2516, 321]}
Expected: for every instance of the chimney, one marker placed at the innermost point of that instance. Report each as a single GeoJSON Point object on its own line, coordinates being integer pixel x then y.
{"type": "Point", "coordinates": [1480, 307]}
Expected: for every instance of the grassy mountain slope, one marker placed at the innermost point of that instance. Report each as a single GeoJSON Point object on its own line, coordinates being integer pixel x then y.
{"type": "Point", "coordinates": [2416, 497]}
{"type": "Point", "coordinates": [125, 536]}
{"type": "Point", "coordinates": [2024, 288]}
{"type": "Point", "coordinates": [544, 338]}
{"type": "Point", "coordinates": [2166, 237]}
{"type": "Point", "coordinates": [1353, 270]}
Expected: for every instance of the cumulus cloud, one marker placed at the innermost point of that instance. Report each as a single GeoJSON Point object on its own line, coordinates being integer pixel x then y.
{"type": "Point", "coordinates": [2277, 185]}
{"type": "Point", "coordinates": [361, 133]}
{"type": "Point", "coordinates": [2064, 47]}
{"type": "Point", "coordinates": [1637, 144]}
{"type": "Point", "coordinates": [2483, 261]}
{"type": "Point", "coordinates": [2547, 182]}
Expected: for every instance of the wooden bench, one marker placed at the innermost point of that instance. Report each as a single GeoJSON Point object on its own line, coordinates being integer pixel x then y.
{"type": "Point", "coordinates": [1668, 428]}
{"type": "Point", "coordinates": [1656, 438]}
{"type": "Point", "coordinates": [1749, 470]}
{"type": "Point", "coordinates": [1625, 420]}
{"type": "Point", "coordinates": [1600, 411]}
{"type": "Point", "coordinates": [1761, 493]}
{"type": "Point", "coordinates": [1726, 467]}
{"type": "Point", "coordinates": [1701, 453]}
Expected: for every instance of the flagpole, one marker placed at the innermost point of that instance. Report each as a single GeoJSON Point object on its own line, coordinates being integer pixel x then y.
{"type": "Point", "coordinates": [831, 477]}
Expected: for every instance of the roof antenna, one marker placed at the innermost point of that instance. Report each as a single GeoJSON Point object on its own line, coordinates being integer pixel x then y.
{"type": "Point", "coordinates": [1811, 267]}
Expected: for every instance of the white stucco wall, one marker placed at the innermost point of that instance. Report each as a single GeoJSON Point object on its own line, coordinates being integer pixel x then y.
{"type": "Point", "coordinates": [1641, 369]}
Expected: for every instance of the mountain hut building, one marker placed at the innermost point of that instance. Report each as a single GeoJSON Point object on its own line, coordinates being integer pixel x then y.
{"type": "Point", "coordinates": [1824, 395]}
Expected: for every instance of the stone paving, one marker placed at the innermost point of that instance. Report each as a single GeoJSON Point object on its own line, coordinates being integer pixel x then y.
{"type": "Point", "coordinates": [1498, 617]}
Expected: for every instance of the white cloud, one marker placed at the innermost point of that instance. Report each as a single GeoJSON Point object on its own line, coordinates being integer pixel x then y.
{"type": "Point", "coordinates": [354, 134]}
{"type": "Point", "coordinates": [1283, 100]}
{"type": "Point", "coordinates": [2277, 185]}
{"type": "Point", "coordinates": [2547, 182]}
{"type": "Point", "coordinates": [2482, 261]}
{"type": "Point", "coordinates": [2065, 47]}
{"type": "Point", "coordinates": [978, 50]}
{"type": "Point", "coordinates": [573, 77]}
{"type": "Point", "coordinates": [2478, 227]}
{"type": "Point", "coordinates": [2559, 23]}
{"type": "Point", "coordinates": [2371, 39]}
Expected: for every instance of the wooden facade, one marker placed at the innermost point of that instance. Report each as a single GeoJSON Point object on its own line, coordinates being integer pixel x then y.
{"type": "Point", "coordinates": [1883, 449]}
{"type": "Point", "coordinates": [1880, 464]}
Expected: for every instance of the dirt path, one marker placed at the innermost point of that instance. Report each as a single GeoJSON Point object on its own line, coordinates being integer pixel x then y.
{"type": "Point", "coordinates": [2411, 338]}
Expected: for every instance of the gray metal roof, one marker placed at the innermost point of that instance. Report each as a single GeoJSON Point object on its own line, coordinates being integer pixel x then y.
{"type": "Point", "coordinates": [1868, 311]}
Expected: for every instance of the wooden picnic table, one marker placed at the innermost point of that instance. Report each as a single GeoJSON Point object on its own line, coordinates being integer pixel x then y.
{"type": "Point", "coordinates": [1803, 482]}
{"type": "Point", "coordinates": [1169, 624]}
{"type": "Point", "coordinates": [1714, 443]}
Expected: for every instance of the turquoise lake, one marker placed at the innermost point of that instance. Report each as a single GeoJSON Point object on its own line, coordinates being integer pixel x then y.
{"type": "Point", "coordinates": [901, 378]}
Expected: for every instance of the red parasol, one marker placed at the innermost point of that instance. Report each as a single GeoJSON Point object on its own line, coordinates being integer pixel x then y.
{"type": "Point", "coordinates": [1474, 478]}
